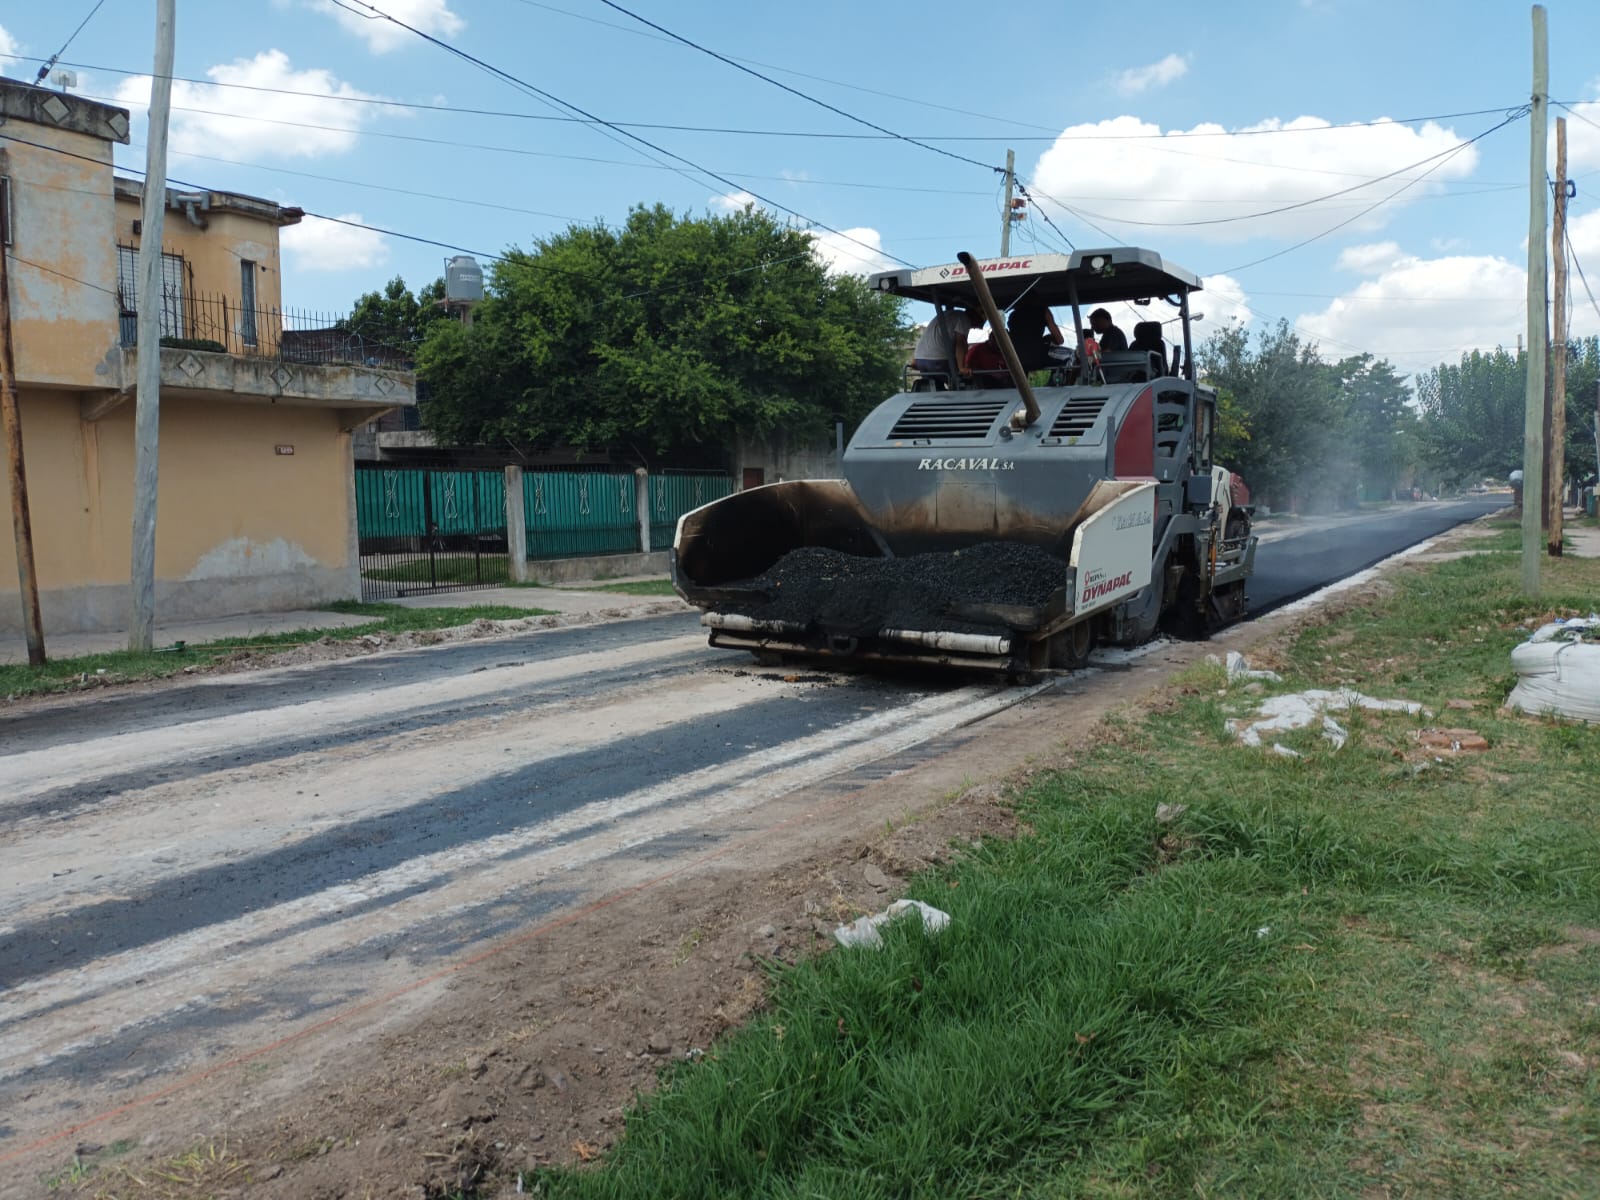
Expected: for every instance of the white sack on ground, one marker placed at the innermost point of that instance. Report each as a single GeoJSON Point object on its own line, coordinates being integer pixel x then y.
{"type": "Point", "coordinates": [1238, 668]}
{"type": "Point", "coordinates": [1562, 678]}
{"type": "Point", "coordinates": [863, 931]}
{"type": "Point", "coordinates": [1297, 710]}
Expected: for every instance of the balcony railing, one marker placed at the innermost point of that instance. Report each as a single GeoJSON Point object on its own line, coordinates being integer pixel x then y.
{"type": "Point", "coordinates": [222, 325]}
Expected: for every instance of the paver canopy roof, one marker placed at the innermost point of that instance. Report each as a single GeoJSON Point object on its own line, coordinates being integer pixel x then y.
{"type": "Point", "coordinates": [1100, 276]}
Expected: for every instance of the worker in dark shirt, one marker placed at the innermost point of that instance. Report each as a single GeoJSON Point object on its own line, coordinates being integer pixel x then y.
{"type": "Point", "coordinates": [1110, 338]}
{"type": "Point", "coordinates": [1033, 331]}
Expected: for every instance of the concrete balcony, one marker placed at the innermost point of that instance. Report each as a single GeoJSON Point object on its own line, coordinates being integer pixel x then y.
{"type": "Point", "coordinates": [359, 393]}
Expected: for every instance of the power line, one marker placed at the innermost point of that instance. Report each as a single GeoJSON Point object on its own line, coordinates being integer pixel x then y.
{"type": "Point", "coordinates": [788, 70]}
{"type": "Point", "coordinates": [1283, 208]}
{"type": "Point", "coordinates": [61, 274]}
{"type": "Point", "coordinates": [379, 187]}
{"type": "Point", "coordinates": [530, 89]}
{"type": "Point", "coordinates": [521, 259]}
{"type": "Point", "coordinates": [849, 116]}
{"type": "Point", "coordinates": [1517, 115]}
{"type": "Point", "coordinates": [419, 106]}
{"type": "Point", "coordinates": [1567, 237]}
{"type": "Point", "coordinates": [200, 187]}
{"type": "Point", "coordinates": [56, 57]}
{"type": "Point", "coordinates": [1022, 190]}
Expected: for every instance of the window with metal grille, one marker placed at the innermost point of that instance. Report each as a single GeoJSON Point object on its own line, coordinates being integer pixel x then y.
{"type": "Point", "coordinates": [173, 289]}
{"type": "Point", "coordinates": [247, 301]}
{"type": "Point", "coordinates": [950, 415]}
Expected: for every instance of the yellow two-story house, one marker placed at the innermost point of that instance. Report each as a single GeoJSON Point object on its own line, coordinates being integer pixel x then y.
{"type": "Point", "coordinates": [256, 506]}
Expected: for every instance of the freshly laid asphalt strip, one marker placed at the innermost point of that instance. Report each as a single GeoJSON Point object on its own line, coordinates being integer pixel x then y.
{"type": "Point", "coordinates": [856, 596]}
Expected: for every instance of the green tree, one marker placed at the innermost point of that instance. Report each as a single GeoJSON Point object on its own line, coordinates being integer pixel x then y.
{"type": "Point", "coordinates": [1472, 416]}
{"type": "Point", "coordinates": [1303, 431]}
{"type": "Point", "coordinates": [1381, 426]}
{"type": "Point", "coordinates": [395, 319]}
{"type": "Point", "coordinates": [1287, 412]}
{"type": "Point", "coordinates": [668, 332]}
{"type": "Point", "coordinates": [1583, 387]}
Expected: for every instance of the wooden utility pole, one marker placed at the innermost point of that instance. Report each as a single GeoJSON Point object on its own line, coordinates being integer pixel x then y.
{"type": "Point", "coordinates": [1556, 462]}
{"type": "Point", "coordinates": [147, 414]}
{"type": "Point", "coordinates": [1005, 215]}
{"type": "Point", "coordinates": [11, 419]}
{"type": "Point", "coordinates": [1533, 397]}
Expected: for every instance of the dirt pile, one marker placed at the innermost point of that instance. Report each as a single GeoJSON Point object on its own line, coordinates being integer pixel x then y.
{"type": "Point", "coordinates": [854, 596]}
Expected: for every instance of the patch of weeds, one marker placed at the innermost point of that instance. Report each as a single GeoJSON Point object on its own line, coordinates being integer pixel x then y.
{"type": "Point", "coordinates": [74, 1172]}
{"type": "Point", "coordinates": [211, 1169]}
{"type": "Point", "coordinates": [691, 941]}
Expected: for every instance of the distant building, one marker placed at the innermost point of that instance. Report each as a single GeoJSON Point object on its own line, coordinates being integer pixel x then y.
{"type": "Point", "coordinates": [257, 507]}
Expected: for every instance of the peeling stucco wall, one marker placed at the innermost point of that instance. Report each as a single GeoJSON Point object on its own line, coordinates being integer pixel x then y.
{"type": "Point", "coordinates": [243, 558]}
{"type": "Point", "coordinates": [240, 526]}
{"type": "Point", "coordinates": [63, 258]}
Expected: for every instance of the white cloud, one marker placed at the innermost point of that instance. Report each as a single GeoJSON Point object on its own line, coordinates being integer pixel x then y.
{"type": "Point", "coordinates": [1223, 302]}
{"type": "Point", "coordinates": [1139, 79]}
{"type": "Point", "coordinates": [1124, 171]}
{"type": "Point", "coordinates": [1420, 312]}
{"type": "Point", "coordinates": [1369, 259]}
{"type": "Point", "coordinates": [223, 124]}
{"type": "Point", "coordinates": [9, 45]}
{"type": "Point", "coordinates": [430, 16]}
{"type": "Point", "coordinates": [851, 251]}
{"type": "Point", "coordinates": [733, 201]}
{"type": "Point", "coordinates": [848, 252]}
{"type": "Point", "coordinates": [1583, 138]}
{"type": "Point", "coordinates": [317, 244]}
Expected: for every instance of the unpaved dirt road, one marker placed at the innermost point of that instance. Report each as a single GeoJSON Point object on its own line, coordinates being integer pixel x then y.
{"type": "Point", "coordinates": [402, 924]}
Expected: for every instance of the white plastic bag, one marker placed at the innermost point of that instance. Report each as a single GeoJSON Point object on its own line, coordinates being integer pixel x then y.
{"type": "Point", "coordinates": [863, 931]}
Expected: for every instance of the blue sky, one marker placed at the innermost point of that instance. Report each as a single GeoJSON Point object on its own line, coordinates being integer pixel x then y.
{"type": "Point", "coordinates": [1172, 125]}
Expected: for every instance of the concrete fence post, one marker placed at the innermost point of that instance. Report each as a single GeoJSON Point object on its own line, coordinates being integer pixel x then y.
{"type": "Point", "coordinates": [641, 491]}
{"type": "Point", "coordinates": [516, 526]}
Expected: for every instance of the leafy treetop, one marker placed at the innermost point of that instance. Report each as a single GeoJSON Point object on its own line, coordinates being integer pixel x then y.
{"type": "Point", "coordinates": [668, 332]}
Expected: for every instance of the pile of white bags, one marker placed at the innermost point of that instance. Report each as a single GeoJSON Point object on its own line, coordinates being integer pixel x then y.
{"type": "Point", "coordinates": [1558, 670]}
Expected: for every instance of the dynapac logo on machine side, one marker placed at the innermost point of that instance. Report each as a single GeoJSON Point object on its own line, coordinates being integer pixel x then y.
{"type": "Point", "coordinates": [1013, 264]}
{"type": "Point", "coordinates": [1096, 586]}
{"type": "Point", "coordinates": [966, 464]}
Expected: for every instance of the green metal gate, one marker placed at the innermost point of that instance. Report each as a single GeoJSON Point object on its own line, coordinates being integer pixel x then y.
{"type": "Point", "coordinates": [430, 531]}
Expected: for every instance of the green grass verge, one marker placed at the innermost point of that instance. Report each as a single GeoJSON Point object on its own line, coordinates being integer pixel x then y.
{"type": "Point", "coordinates": [124, 666]}
{"type": "Point", "coordinates": [633, 587]}
{"type": "Point", "coordinates": [1360, 972]}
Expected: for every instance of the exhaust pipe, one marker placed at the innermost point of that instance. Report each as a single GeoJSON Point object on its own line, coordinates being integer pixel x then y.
{"type": "Point", "coordinates": [991, 313]}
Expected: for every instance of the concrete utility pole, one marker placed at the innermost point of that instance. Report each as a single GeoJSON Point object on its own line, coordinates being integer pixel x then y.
{"type": "Point", "coordinates": [1533, 398]}
{"type": "Point", "coordinates": [1005, 216]}
{"type": "Point", "coordinates": [11, 418]}
{"type": "Point", "coordinates": [147, 415]}
{"type": "Point", "coordinates": [1556, 463]}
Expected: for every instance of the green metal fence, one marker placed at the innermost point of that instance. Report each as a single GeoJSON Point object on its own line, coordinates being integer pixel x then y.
{"type": "Point", "coordinates": [420, 514]}
{"type": "Point", "coordinates": [572, 513]}
{"type": "Point", "coordinates": [672, 495]}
